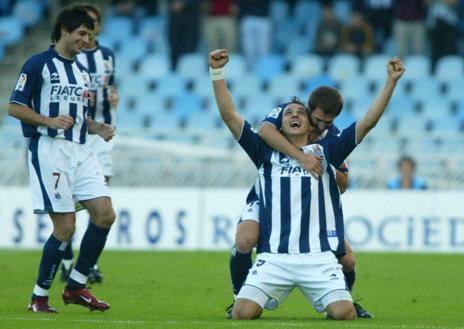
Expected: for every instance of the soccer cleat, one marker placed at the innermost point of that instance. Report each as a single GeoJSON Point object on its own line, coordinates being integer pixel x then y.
{"type": "Point", "coordinates": [229, 311]}
{"type": "Point", "coordinates": [64, 275]}
{"type": "Point", "coordinates": [95, 276]}
{"type": "Point", "coordinates": [84, 298]}
{"type": "Point", "coordinates": [362, 313]}
{"type": "Point", "coordinates": [40, 304]}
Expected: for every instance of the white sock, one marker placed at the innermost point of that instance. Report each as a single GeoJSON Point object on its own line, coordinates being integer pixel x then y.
{"type": "Point", "coordinates": [67, 263]}
{"type": "Point", "coordinates": [40, 292]}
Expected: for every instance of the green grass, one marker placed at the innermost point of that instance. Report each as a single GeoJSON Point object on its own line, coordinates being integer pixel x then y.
{"type": "Point", "coordinates": [191, 290]}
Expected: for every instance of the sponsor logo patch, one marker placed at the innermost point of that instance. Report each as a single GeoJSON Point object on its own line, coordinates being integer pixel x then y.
{"type": "Point", "coordinates": [21, 82]}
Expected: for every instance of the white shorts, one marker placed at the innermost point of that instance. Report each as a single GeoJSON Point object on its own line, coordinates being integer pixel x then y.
{"type": "Point", "coordinates": [319, 276]}
{"type": "Point", "coordinates": [250, 212]}
{"type": "Point", "coordinates": [61, 173]}
{"type": "Point", "coordinates": [102, 150]}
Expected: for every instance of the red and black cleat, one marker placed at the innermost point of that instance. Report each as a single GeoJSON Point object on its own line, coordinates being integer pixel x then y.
{"type": "Point", "coordinates": [84, 298]}
{"type": "Point", "coordinates": [40, 304]}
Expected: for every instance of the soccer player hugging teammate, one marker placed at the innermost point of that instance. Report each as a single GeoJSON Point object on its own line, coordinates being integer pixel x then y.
{"type": "Point", "coordinates": [51, 99]}
{"type": "Point", "coordinates": [300, 215]}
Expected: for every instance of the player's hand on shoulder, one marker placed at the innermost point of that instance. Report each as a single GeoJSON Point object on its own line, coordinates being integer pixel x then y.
{"type": "Point", "coordinates": [106, 131]}
{"type": "Point", "coordinates": [218, 58]}
{"type": "Point", "coordinates": [60, 122]}
{"type": "Point", "coordinates": [395, 69]}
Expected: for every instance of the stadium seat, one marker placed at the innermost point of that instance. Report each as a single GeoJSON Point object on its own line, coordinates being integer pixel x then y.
{"type": "Point", "coordinates": [342, 10]}
{"type": "Point", "coordinates": [343, 66]}
{"type": "Point", "coordinates": [284, 86]}
{"type": "Point", "coordinates": [303, 10]}
{"type": "Point", "coordinates": [446, 125]}
{"type": "Point", "coordinates": [425, 89]}
{"type": "Point", "coordinates": [279, 11]}
{"type": "Point", "coordinates": [258, 106]}
{"type": "Point", "coordinates": [355, 87]}
{"type": "Point", "coordinates": [375, 67]}
{"type": "Point", "coordinates": [401, 106]}
{"type": "Point", "coordinates": [11, 30]}
{"type": "Point", "coordinates": [236, 66]}
{"type": "Point", "coordinates": [344, 119]}
{"type": "Point", "coordinates": [202, 85]}
{"type": "Point", "coordinates": [152, 28]}
{"type": "Point", "coordinates": [204, 120]}
{"type": "Point", "coordinates": [248, 85]}
{"type": "Point", "coordinates": [321, 80]}
{"type": "Point", "coordinates": [164, 120]}
{"type": "Point", "coordinates": [150, 104]}
{"type": "Point", "coordinates": [192, 65]}
{"type": "Point", "coordinates": [280, 37]}
{"type": "Point", "coordinates": [269, 66]}
{"type": "Point", "coordinates": [307, 66]}
{"type": "Point", "coordinates": [359, 106]}
{"type": "Point", "coordinates": [435, 109]}
{"type": "Point", "coordinates": [155, 66]}
{"type": "Point", "coordinates": [411, 125]}
{"type": "Point", "coordinates": [132, 49]}
{"type": "Point", "coordinates": [454, 90]}
{"type": "Point", "coordinates": [132, 85]}
{"type": "Point", "coordinates": [185, 104]}
{"type": "Point", "coordinates": [449, 68]}
{"type": "Point", "coordinates": [28, 11]}
{"type": "Point", "coordinates": [171, 85]}
{"type": "Point", "coordinates": [418, 67]}
{"type": "Point", "coordinates": [118, 27]}
{"type": "Point", "coordinates": [128, 120]}
{"type": "Point", "coordinates": [298, 45]}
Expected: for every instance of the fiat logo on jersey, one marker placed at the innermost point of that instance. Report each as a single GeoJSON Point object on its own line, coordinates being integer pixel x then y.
{"type": "Point", "coordinates": [68, 93]}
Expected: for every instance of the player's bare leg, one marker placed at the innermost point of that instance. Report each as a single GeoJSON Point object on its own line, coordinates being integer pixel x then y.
{"type": "Point", "coordinates": [245, 309]}
{"type": "Point", "coordinates": [341, 310]}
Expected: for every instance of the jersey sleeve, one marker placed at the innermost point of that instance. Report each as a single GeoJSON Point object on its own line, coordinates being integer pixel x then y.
{"type": "Point", "coordinates": [251, 143]}
{"type": "Point", "coordinates": [274, 117]}
{"type": "Point", "coordinates": [342, 144]}
{"type": "Point", "coordinates": [344, 167]}
{"type": "Point", "coordinates": [27, 84]}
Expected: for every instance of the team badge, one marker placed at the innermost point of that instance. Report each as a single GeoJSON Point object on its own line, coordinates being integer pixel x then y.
{"type": "Point", "coordinates": [21, 82]}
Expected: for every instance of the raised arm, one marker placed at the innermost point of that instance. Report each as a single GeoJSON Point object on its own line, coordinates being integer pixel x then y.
{"type": "Point", "coordinates": [277, 141]}
{"type": "Point", "coordinates": [217, 60]}
{"type": "Point", "coordinates": [395, 70]}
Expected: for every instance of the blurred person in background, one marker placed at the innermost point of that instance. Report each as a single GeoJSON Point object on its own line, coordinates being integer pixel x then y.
{"type": "Point", "coordinates": [183, 28]}
{"type": "Point", "coordinates": [51, 99]}
{"type": "Point", "coordinates": [409, 26]}
{"type": "Point", "coordinates": [328, 31]}
{"type": "Point", "coordinates": [255, 29]}
{"type": "Point", "coordinates": [220, 24]}
{"type": "Point", "coordinates": [407, 178]}
{"type": "Point", "coordinates": [100, 63]}
{"type": "Point", "coordinates": [358, 36]}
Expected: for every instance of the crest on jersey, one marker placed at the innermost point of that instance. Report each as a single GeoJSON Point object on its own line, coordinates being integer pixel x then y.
{"type": "Point", "coordinates": [274, 113]}
{"type": "Point", "coordinates": [54, 78]}
{"type": "Point", "coordinates": [21, 82]}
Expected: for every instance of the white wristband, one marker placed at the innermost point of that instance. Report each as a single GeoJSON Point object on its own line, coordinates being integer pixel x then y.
{"type": "Point", "coordinates": [216, 74]}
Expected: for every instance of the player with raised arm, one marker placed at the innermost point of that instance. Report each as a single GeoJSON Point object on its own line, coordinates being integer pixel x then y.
{"type": "Point", "coordinates": [301, 220]}
{"type": "Point", "coordinates": [100, 63]}
{"type": "Point", "coordinates": [51, 99]}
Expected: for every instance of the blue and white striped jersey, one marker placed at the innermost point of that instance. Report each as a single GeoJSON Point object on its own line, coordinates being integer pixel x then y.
{"type": "Point", "coordinates": [52, 85]}
{"type": "Point", "coordinates": [299, 214]}
{"type": "Point", "coordinates": [100, 64]}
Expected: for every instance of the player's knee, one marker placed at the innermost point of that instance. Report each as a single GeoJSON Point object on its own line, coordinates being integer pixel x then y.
{"type": "Point", "coordinates": [246, 312]}
{"type": "Point", "coordinates": [342, 310]}
{"type": "Point", "coordinates": [348, 262]}
{"type": "Point", "coordinates": [65, 231]}
{"type": "Point", "coordinates": [244, 243]}
{"type": "Point", "coordinates": [105, 218]}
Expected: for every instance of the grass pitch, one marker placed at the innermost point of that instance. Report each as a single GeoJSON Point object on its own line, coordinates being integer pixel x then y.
{"type": "Point", "coordinates": [191, 290]}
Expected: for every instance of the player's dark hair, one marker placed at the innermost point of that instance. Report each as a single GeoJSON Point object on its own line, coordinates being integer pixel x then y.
{"type": "Point", "coordinates": [70, 19]}
{"type": "Point", "coordinates": [327, 99]}
{"type": "Point", "coordinates": [89, 7]}
{"type": "Point", "coordinates": [407, 158]}
{"type": "Point", "coordinates": [296, 100]}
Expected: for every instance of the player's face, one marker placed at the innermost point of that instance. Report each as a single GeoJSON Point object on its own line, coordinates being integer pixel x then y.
{"type": "Point", "coordinates": [76, 40]}
{"type": "Point", "coordinates": [321, 121]}
{"type": "Point", "coordinates": [96, 30]}
{"type": "Point", "coordinates": [295, 120]}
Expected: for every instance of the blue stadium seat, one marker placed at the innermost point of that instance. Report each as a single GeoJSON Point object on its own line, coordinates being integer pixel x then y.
{"type": "Point", "coordinates": [280, 37]}
{"type": "Point", "coordinates": [118, 26]}
{"type": "Point", "coordinates": [446, 125]}
{"type": "Point", "coordinates": [454, 90]}
{"type": "Point", "coordinates": [248, 85]}
{"type": "Point", "coordinates": [284, 86]}
{"type": "Point", "coordinates": [236, 67]}
{"type": "Point", "coordinates": [192, 65]}
{"type": "Point", "coordinates": [204, 120]}
{"type": "Point", "coordinates": [321, 80]}
{"type": "Point", "coordinates": [269, 66]}
{"type": "Point", "coordinates": [171, 85]}
{"type": "Point", "coordinates": [436, 109]}
{"type": "Point", "coordinates": [342, 10]}
{"type": "Point", "coordinates": [123, 68]}
{"type": "Point", "coordinates": [152, 28]}
{"type": "Point", "coordinates": [185, 104]}
{"type": "Point", "coordinates": [375, 67]}
{"type": "Point", "coordinates": [417, 67]}
{"type": "Point", "coordinates": [450, 68]}
{"type": "Point", "coordinates": [360, 106]}
{"type": "Point", "coordinates": [202, 85]}
{"type": "Point", "coordinates": [298, 45]}
{"type": "Point", "coordinates": [279, 11]}
{"type": "Point", "coordinates": [411, 125]}
{"type": "Point", "coordinates": [28, 11]}
{"type": "Point", "coordinates": [425, 89]}
{"type": "Point", "coordinates": [132, 49]}
{"type": "Point", "coordinates": [132, 85]}
{"type": "Point", "coordinates": [307, 66]}
{"type": "Point", "coordinates": [343, 66]}
{"type": "Point", "coordinates": [401, 106]}
{"type": "Point", "coordinates": [128, 120]}
{"type": "Point", "coordinates": [258, 106]}
{"type": "Point", "coordinates": [165, 120]}
{"type": "Point", "coordinates": [150, 104]}
{"type": "Point", "coordinates": [155, 66]}
{"type": "Point", "coordinates": [11, 30]}
{"type": "Point", "coordinates": [355, 87]}
{"type": "Point", "coordinates": [344, 119]}
{"type": "Point", "coordinates": [307, 13]}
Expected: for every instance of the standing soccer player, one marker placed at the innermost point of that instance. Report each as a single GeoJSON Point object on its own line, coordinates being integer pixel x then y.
{"type": "Point", "coordinates": [99, 62]}
{"type": "Point", "coordinates": [51, 99]}
{"type": "Point", "coordinates": [301, 219]}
